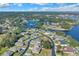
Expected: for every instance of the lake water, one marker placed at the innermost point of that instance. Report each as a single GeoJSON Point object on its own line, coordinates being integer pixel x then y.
{"type": "Point", "coordinates": [74, 32]}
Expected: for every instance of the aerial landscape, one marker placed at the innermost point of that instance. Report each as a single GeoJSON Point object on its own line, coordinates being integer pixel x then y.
{"type": "Point", "coordinates": [28, 29]}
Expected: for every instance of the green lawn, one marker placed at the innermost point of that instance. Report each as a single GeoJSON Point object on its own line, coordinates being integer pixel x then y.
{"type": "Point", "coordinates": [2, 50]}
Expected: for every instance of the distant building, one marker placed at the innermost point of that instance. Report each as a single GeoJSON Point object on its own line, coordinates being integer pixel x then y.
{"type": "Point", "coordinates": [0, 30]}
{"type": "Point", "coordinates": [54, 24]}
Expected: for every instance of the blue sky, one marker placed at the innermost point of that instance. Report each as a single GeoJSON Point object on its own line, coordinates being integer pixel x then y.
{"type": "Point", "coordinates": [39, 7]}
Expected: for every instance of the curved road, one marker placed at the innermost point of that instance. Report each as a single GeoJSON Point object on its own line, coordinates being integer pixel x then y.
{"type": "Point", "coordinates": [52, 44]}
{"type": "Point", "coordinates": [28, 45]}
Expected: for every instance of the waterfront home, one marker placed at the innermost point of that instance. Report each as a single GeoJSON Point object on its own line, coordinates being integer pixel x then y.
{"type": "Point", "coordinates": [47, 33]}
{"type": "Point", "coordinates": [68, 50]}
{"type": "Point", "coordinates": [57, 37]}
{"type": "Point", "coordinates": [63, 43]}
{"type": "Point", "coordinates": [54, 24]}
{"type": "Point", "coordinates": [8, 53]}
{"type": "Point", "coordinates": [60, 43]}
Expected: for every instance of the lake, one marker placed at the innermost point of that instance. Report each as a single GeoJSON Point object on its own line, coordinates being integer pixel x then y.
{"type": "Point", "coordinates": [74, 32]}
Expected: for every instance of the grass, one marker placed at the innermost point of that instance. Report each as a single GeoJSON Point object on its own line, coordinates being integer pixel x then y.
{"type": "Point", "coordinates": [16, 54]}
{"type": "Point", "coordinates": [45, 52]}
{"type": "Point", "coordinates": [4, 49]}
{"type": "Point", "coordinates": [72, 42]}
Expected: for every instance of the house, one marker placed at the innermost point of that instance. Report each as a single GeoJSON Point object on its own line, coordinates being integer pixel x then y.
{"type": "Point", "coordinates": [54, 24]}
{"type": "Point", "coordinates": [63, 43]}
{"type": "Point", "coordinates": [21, 39]}
{"type": "Point", "coordinates": [19, 44]}
{"type": "Point", "coordinates": [59, 39]}
{"type": "Point", "coordinates": [23, 33]}
{"type": "Point", "coordinates": [8, 53]}
{"type": "Point", "coordinates": [26, 42]}
{"type": "Point", "coordinates": [13, 49]}
{"type": "Point", "coordinates": [1, 30]}
{"type": "Point", "coordinates": [37, 47]}
{"type": "Point", "coordinates": [56, 37]}
{"type": "Point", "coordinates": [77, 49]}
{"type": "Point", "coordinates": [20, 49]}
{"type": "Point", "coordinates": [27, 54]}
{"type": "Point", "coordinates": [68, 50]}
{"type": "Point", "coordinates": [23, 47]}
{"type": "Point", "coordinates": [60, 42]}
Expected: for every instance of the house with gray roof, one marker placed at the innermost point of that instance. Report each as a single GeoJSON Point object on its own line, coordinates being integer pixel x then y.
{"type": "Point", "coordinates": [8, 53]}
{"type": "Point", "coordinates": [19, 44]}
{"type": "Point", "coordinates": [13, 49]}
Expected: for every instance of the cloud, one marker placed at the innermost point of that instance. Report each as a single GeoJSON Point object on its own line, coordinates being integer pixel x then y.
{"type": "Point", "coordinates": [72, 7]}
{"type": "Point", "coordinates": [4, 4]}
{"type": "Point", "coordinates": [40, 3]}
{"type": "Point", "coordinates": [18, 4]}
{"type": "Point", "coordinates": [42, 7]}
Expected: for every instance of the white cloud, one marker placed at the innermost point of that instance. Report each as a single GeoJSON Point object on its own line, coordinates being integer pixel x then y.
{"type": "Point", "coordinates": [40, 3]}
{"type": "Point", "coordinates": [18, 4]}
{"type": "Point", "coordinates": [4, 4]}
{"type": "Point", "coordinates": [73, 7]}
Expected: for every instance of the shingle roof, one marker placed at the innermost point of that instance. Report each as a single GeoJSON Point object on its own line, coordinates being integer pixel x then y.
{"type": "Point", "coordinates": [63, 42]}
{"type": "Point", "coordinates": [68, 49]}
{"type": "Point", "coordinates": [8, 53]}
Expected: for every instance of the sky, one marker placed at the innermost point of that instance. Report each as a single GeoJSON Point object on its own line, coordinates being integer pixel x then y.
{"type": "Point", "coordinates": [39, 7]}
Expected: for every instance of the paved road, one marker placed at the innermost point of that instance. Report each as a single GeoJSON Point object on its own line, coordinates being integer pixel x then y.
{"type": "Point", "coordinates": [28, 45]}
{"type": "Point", "coordinates": [58, 30]}
{"type": "Point", "coordinates": [52, 44]}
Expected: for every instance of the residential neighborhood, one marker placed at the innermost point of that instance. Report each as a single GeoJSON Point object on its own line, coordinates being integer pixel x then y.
{"type": "Point", "coordinates": [37, 35]}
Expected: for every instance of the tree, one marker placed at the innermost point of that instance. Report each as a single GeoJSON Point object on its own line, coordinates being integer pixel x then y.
{"type": "Point", "coordinates": [46, 44]}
